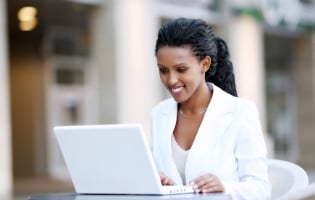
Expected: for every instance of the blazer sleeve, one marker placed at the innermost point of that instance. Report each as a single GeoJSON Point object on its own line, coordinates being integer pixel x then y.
{"type": "Point", "coordinates": [250, 152]}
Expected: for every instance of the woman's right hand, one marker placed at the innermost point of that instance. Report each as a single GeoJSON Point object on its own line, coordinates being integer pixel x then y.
{"type": "Point", "coordinates": [165, 180]}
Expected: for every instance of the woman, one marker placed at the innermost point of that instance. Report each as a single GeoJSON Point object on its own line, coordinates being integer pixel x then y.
{"type": "Point", "coordinates": [204, 135]}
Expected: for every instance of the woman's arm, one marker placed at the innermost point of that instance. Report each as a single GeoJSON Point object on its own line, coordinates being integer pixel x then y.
{"type": "Point", "coordinates": [250, 152]}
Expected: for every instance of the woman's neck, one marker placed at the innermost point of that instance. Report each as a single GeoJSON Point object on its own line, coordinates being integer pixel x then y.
{"type": "Point", "coordinates": [198, 102]}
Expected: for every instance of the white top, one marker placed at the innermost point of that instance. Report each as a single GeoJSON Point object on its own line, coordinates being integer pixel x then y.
{"type": "Point", "coordinates": [229, 144]}
{"type": "Point", "coordinates": [180, 157]}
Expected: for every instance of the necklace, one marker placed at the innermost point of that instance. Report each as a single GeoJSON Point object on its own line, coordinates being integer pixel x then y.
{"type": "Point", "coordinates": [192, 116]}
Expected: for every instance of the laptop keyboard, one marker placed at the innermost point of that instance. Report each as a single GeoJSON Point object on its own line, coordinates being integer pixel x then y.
{"type": "Point", "coordinates": [173, 189]}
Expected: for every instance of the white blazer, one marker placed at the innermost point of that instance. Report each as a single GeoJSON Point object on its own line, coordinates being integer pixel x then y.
{"type": "Point", "coordinates": [229, 144]}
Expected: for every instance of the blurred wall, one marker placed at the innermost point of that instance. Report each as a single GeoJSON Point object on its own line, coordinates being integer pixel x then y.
{"type": "Point", "coordinates": [26, 79]}
{"type": "Point", "coordinates": [304, 72]}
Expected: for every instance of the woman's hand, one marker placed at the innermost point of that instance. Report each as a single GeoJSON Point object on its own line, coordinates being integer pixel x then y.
{"type": "Point", "coordinates": [207, 183]}
{"type": "Point", "coordinates": [165, 180]}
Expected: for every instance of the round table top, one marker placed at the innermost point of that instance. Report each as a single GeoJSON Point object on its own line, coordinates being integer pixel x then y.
{"type": "Point", "coordinates": [74, 196]}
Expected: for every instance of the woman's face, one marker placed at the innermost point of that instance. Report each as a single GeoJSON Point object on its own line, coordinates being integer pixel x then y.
{"type": "Point", "coordinates": [181, 72]}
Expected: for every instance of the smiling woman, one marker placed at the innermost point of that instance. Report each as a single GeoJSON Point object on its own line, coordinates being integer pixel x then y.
{"type": "Point", "coordinates": [205, 135]}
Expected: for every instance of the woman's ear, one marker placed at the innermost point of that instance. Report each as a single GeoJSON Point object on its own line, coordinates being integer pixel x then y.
{"type": "Point", "coordinates": [206, 63]}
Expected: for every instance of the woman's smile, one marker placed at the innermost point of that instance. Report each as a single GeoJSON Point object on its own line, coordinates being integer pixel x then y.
{"type": "Point", "coordinates": [175, 91]}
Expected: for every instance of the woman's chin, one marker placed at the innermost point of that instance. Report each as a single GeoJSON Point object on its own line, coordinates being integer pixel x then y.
{"type": "Point", "coordinates": [178, 99]}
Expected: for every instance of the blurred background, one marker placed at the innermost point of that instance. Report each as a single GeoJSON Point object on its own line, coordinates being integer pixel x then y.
{"type": "Point", "coordinates": [68, 62]}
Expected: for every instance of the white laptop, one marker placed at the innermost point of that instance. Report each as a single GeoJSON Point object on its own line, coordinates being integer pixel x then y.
{"type": "Point", "coordinates": [111, 159]}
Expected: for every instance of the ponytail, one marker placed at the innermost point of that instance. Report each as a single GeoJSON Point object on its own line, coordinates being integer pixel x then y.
{"type": "Point", "coordinates": [221, 69]}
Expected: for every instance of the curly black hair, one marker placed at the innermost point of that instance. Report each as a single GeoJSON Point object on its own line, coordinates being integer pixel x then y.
{"type": "Point", "coordinates": [199, 35]}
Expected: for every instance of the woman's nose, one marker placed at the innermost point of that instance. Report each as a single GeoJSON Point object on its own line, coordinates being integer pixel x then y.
{"type": "Point", "coordinates": [172, 79]}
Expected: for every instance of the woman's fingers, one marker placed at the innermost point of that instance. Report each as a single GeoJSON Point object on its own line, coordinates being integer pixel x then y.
{"type": "Point", "coordinates": [207, 183]}
{"type": "Point", "coordinates": [165, 180]}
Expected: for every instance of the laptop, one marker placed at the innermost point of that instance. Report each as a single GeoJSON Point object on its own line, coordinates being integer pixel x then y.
{"type": "Point", "coordinates": [111, 159]}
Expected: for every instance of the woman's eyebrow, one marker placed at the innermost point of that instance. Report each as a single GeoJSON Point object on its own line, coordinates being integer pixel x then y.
{"type": "Point", "coordinates": [176, 65]}
{"type": "Point", "coordinates": [179, 64]}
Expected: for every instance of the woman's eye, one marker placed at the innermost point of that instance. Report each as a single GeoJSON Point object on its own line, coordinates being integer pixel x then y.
{"type": "Point", "coordinates": [163, 70]}
{"type": "Point", "coordinates": [181, 70]}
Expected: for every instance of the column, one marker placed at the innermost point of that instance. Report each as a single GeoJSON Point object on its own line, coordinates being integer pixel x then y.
{"type": "Point", "coordinates": [123, 50]}
{"type": "Point", "coordinates": [246, 37]}
{"type": "Point", "coordinates": [136, 72]}
{"type": "Point", "coordinates": [247, 52]}
{"type": "Point", "coordinates": [5, 134]}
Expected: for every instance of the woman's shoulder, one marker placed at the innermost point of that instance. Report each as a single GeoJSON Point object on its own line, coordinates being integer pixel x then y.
{"type": "Point", "coordinates": [238, 103]}
{"type": "Point", "coordinates": [244, 103]}
{"type": "Point", "coordinates": [245, 109]}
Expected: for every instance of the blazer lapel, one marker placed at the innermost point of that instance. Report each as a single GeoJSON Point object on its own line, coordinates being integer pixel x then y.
{"type": "Point", "coordinates": [169, 121]}
{"type": "Point", "coordinates": [216, 120]}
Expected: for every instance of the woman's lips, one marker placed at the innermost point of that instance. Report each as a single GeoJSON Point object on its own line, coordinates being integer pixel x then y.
{"type": "Point", "coordinates": [177, 90]}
